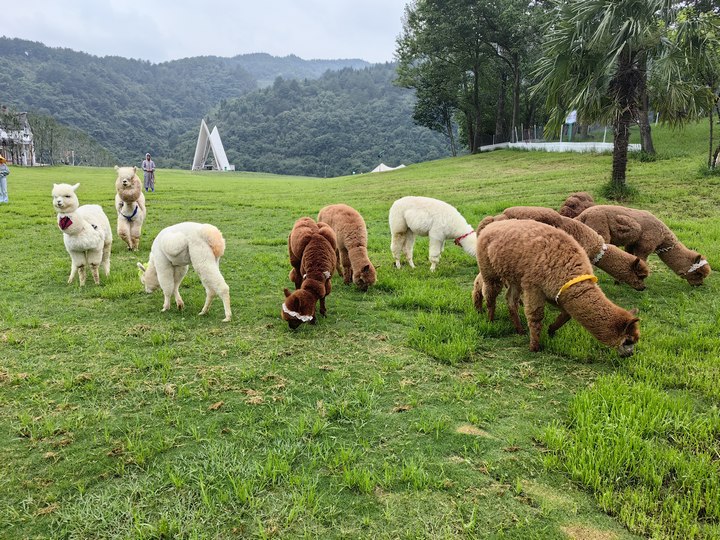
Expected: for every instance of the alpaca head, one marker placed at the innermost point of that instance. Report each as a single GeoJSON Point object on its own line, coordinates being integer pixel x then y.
{"type": "Point", "coordinates": [575, 204]}
{"type": "Point", "coordinates": [640, 271]}
{"type": "Point", "coordinates": [65, 200]}
{"type": "Point", "coordinates": [299, 307]}
{"type": "Point", "coordinates": [148, 276]}
{"type": "Point", "coordinates": [128, 184]}
{"type": "Point", "coordinates": [365, 277]}
{"type": "Point", "coordinates": [627, 333]}
{"type": "Point", "coordinates": [697, 273]}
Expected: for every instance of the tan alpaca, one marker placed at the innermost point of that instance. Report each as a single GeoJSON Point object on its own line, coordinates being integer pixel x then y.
{"type": "Point", "coordinates": [575, 204]}
{"type": "Point", "coordinates": [130, 206]}
{"type": "Point", "coordinates": [351, 234]}
{"type": "Point", "coordinates": [312, 248]}
{"type": "Point", "coordinates": [621, 265]}
{"type": "Point", "coordinates": [642, 234]}
{"type": "Point", "coordinates": [544, 264]}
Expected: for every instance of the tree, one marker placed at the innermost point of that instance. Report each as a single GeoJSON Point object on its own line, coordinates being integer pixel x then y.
{"type": "Point", "coordinates": [594, 60]}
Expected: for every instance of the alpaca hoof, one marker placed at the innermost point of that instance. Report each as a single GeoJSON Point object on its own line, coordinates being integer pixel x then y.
{"type": "Point", "coordinates": [397, 264]}
{"type": "Point", "coordinates": [163, 310]}
{"type": "Point", "coordinates": [226, 319]}
{"type": "Point", "coordinates": [203, 312]}
{"type": "Point", "coordinates": [180, 305]}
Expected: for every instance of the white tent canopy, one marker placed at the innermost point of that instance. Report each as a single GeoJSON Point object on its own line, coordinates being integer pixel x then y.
{"type": "Point", "coordinates": [382, 168]}
{"type": "Point", "coordinates": [206, 142]}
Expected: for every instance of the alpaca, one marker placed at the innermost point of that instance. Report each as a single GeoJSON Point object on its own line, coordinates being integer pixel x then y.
{"type": "Point", "coordinates": [351, 235]}
{"type": "Point", "coordinates": [86, 233]}
{"type": "Point", "coordinates": [621, 265]}
{"type": "Point", "coordinates": [130, 206]}
{"type": "Point", "coordinates": [544, 264]}
{"type": "Point", "coordinates": [576, 203]}
{"type": "Point", "coordinates": [312, 248]}
{"type": "Point", "coordinates": [642, 234]}
{"type": "Point", "coordinates": [177, 246]}
{"type": "Point", "coordinates": [423, 216]}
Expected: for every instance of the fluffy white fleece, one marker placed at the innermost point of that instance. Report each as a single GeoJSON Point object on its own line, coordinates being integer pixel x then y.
{"type": "Point", "coordinates": [86, 233]}
{"type": "Point", "coordinates": [424, 216]}
{"type": "Point", "coordinates": [178, 246]}
{"type": "Point", "coordinates": [130, 206]}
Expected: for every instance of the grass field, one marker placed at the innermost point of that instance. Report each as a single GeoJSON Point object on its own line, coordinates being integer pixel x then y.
{"type": "Point", "coordinates": [403, 414]}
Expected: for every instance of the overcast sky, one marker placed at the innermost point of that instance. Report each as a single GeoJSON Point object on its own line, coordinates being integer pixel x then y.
{"type": "Point", "coordinates": [161, 30]}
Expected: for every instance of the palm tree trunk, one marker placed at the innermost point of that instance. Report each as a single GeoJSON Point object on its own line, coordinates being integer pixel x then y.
{"type": "Point", "coordinates": [646, 142]}
{"type": "Point", "coordinates": [620, 148]}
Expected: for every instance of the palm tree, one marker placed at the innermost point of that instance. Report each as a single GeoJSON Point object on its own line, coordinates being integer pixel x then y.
{"type": "Point", "coordinates": [595, 59]}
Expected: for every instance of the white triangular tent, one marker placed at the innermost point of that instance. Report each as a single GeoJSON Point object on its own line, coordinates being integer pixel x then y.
{"type": "Point", "coordinates": [382, 168]}
{"type": "Point", "coordinates": [210, 141]}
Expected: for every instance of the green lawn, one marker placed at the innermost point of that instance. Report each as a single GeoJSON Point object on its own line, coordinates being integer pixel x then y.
{"type": "Point", "coordinates": [403, 414]}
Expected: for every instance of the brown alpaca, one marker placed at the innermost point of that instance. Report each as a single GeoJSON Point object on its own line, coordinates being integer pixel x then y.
{"type": "Point", "coordinates": [312, 255]}
{"type": "Point", "coordinates": [545, 264]}
{"type": "Point", "coordinates": [575, 204]}
{"type": "Point", "coordinates": [130, 206]}
{"type": "Point", "coordinates": [642, 234]}
{"type": "Point", "coordinates": [621, 265]}
{"type": "Point", "coordinates": [352, 257]}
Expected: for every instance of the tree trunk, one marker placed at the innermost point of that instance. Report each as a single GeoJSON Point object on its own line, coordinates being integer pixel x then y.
{"type": "Point", "coordinates": [450, 133]}
{"type": "Point", "coordinates": [711, 161]}
{"type": "Point", "coordinates": [646, 143]}
{"type": "Point", "coordinates": [500, 112]}
{"type": "Point", "coordinates": [516, 90]}
{"type": "Point", "coordinates": [620, 147]}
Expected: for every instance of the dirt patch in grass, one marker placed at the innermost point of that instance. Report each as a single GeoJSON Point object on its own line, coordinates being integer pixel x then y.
{"type": "Point", "coordinates": [468, 429]}
{"type": "Point", "coordinates": [547, 496]}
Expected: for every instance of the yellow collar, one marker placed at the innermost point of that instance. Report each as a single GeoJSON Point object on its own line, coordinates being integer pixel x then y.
{"type": "Point", "coordinates": [573, 281]}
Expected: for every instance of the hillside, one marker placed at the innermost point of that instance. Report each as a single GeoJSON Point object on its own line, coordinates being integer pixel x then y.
{"type": "Point", "coordinates": [130, 106]}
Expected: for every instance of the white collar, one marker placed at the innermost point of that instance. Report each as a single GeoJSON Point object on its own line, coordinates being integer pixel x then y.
{"type": "Point", "coordinates": [697, 266]}
{"type": "Point", "coordinates": [599, 256]}
{"type": "Point", "coordinates": [296, 315]}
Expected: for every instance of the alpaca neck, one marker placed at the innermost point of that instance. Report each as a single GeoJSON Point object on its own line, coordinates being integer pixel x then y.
{"type": "Point", "coordinates": [586, 303]}
{"type": "Point", "coordinates": [613, 261]}
{"type": "Point", "coordinates": [314, 287]}
{"type": "Point", "coordinates": [76, 225]}
{"type": "Point", "coordinates": [679, 259]}
{"type": "Point", "coordinates": [468, 243]}
{"type": "Point", "coordinates": [358, 258]}
{"type": "Point", "coordinates": [129, 210]}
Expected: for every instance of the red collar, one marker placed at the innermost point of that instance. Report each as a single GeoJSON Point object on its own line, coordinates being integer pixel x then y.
{"type": "Point", "coordinates": [457, 240]}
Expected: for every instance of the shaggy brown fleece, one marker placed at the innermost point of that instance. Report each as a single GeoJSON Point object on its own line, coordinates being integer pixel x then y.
{"type": "Point", "coordinates": [538, 262]}
{"type": "Point", "coordinates": [621, 265]}
{"type": "Point", "coordinates": [312, 249]}
{"type": "Point", "coordinates": [352, 257]}
{"type": "Point", "coordinates": [576, 203]}
{"type": "Point", "coordinates": [642, 234]}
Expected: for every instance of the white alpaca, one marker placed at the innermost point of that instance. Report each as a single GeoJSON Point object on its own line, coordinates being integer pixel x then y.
{"type": "Point", "coordinates": [423, 216]}
{"type": "Point", "coordinates": [177, 246]}
{"type": "Point", "coordinates": [86, 233]}
{"type": "Point", "coordinates": [130, 206]}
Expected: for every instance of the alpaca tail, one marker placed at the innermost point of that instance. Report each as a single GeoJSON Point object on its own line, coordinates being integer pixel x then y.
{"type": "Point", "coordinates": [214, 239]}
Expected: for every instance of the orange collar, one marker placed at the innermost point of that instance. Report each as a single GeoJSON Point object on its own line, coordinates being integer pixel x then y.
{"type": "Point", "coordinates": [573, 281]}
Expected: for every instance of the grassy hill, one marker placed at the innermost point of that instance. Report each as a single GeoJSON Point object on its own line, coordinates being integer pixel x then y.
{"type": "Point", "coordinates": [403, 414]}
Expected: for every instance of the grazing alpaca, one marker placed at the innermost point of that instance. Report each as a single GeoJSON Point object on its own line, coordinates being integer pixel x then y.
{"type": "Point", "coordinates": [130, 206]}
{"type": "Point", "coordinates": [621, 265]}
{"type": "Point", "coordinates": [351, 235]}
{"type": "Point", "coordinates": [545, 264]}
{"type": "Point", "coordinates": [575, 204]}
{"type": "Point", "coordinates": [312, 248]}
{"type": "Point", "coordinates": [86, 233]}
{"type": "Point", "coordinates": [642, 234]}
{"type": "Point", "coordinates": [423, 216]}
{"type": "Point", "coordinates": [177, 246]}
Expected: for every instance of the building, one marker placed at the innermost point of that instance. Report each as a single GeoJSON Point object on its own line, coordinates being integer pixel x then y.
{"type": "Point", "coordinates": [16, 138]}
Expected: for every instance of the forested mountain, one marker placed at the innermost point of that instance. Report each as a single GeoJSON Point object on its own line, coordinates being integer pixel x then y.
{"type": "Point", "coordinates": [132, 106]}
{"type": "Point", "coordinates": [346, 121]}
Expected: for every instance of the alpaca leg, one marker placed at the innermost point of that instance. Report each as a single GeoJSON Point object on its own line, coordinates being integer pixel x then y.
{"type": "Point", "coordinates": [73, 272]}
{"type": "Point", "coordinates": [436, 247]}
{"type": "Point", "coordinates": [166, 280]}
{"type": "Point", "coordinates": [208, 268]}
{"type": "Point", "coordinates": [397, 245]}
{"type": "Point", "coordinates": [534, 303]}
{"type": "Point", "coordinates": [561, 319]}
{"type": "Point", "coordinates": [346, 266]}
{"type": "Point", "coordinates": [81, 274]}
{"type": "Point", "coordinates": [490, 290]}
{"type": "Point", "coordinates": [77, 261]}
{"type": "Point", "coordinates": [179, 273]}
{"type": "Point", "coordinates": [477, 294]}
{"type": "Point", "coordinates": [94, 258]}
{"type": "Point", "coordinates": [513, 301]}
{"type": "Point", "coordinates": [105, 262]}
{"type": "Point", "coordinates": [409, 246]}
{"type": "Point", "coordinates": [323, 311]}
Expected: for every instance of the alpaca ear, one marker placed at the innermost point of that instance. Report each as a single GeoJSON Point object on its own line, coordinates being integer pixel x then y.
{"type": "Point", "coordinates": [134, 169]}
{"type": "Point", "coordinates": [287, 293]}
{"type": "Point", "coordinates": [116, 167]}
{"type": "Point", "coordinates": [698, 259]}
{"type": "Point", "coordinates": [635, 311]}
{"type": "Point", "coordinates": [74, 188]}
{"type": "Point", "coordinates": [366, 268]}
{"type": "Point", "coordinates": [54, 186]}
{"type": "Point", "coordinates": [141, 267]}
